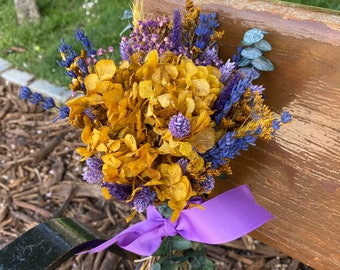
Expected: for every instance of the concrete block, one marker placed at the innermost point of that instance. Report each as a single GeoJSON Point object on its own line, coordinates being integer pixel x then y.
{"type": "Point", "coordinates": [17, 76]}
{"type": "Point", "coordinates": [4, 64]}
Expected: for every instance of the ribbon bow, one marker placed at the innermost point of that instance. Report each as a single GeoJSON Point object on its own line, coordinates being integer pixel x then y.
{"type": "Point", "coordinates": [225, 218]}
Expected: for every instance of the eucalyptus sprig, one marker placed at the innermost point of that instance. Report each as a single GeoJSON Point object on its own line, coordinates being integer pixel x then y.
{"type": "Point", "coordinates": [252, 53]}
{"type": "Point", "coordinates": [178, 253]}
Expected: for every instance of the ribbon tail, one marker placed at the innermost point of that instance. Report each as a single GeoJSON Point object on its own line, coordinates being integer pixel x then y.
{"type": "Point", "coordinates": [101, 246]}
{"type": "Point", "coordinates": [224, 218]}
{"type": "Point", "coordinates": [142, 238]}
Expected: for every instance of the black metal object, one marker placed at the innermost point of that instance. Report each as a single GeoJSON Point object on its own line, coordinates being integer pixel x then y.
{"type": "Point", "coordinates": [49, 244]}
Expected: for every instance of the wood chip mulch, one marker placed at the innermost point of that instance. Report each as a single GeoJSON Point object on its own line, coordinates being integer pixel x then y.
{"type": "Point", "coordinates": [41, 178]}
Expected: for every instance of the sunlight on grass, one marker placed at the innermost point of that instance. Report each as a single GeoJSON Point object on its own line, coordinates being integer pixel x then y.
{"type": "Point", "coordinates": [34, 48]}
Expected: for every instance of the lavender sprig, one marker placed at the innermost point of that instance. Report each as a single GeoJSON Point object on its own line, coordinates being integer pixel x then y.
{"type": "Point", "coordinates": [86, 42]}
{"type": "Point", "coordinates": [46, 103]}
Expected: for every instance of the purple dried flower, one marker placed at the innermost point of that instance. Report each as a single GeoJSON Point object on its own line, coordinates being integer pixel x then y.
{"type": "Point", "coordinates": [179, 126]}
{"type": "Point", "coordinates": [209, 57]}
{"type": "Point", "coordinates": [176, 32]}
{"type": "Point", "coordinates": [226, 70]}
{"type": "Point", "coordinates": [183, 162]}
{"type": "Point", "coordinates": [94, 163]}
{"type": "Point", "coordinates": [83, 67]}
{"type": "Point", "coordinates": [64, 112]}
{"type": "Point", "coordinates": [208, 184]}
{"type": "Point", "coordinates": [143, 199]}
{"type": "Point", "coordinates": [154, 37]}
{"type": "Point", "coordinates": [71, 74]}
{"type": "Point", "coordinates": [286, 117]}
{"type": "Point", "coordinates": [48, 103]}
{"type": "Point", "coordinates": [119, 191]}
{"type": "Point", "coordinates": [86, 42]}
{"type": "Point", "coordinates": [256, 88]}
{"type": "Point", "coordinates": [205, 29]}
{"type": "Point", "coordinates": [88, 112]}
{"type": "Point", "coordinates": [94, 173]}
{"type": "Point", "coordinates": [149, 35]}
{"type": "Point", "coordinates": [25, 93]}
{"type": "Point", "coordinates": [276, 124]}
{"type": "Point", "coordinates": [229, 146]}
{"type": "Point", "coordinates": [36, 98]}
{"type": "Point", "coordinates": [125, 49]}
{"type": "Point", "coordinates": [226, 92]}
{"type": "Point", "coordinates": [93, 176]}
{"type": "Point", "coordinates": [100, 51]}
{"type": "Point", "coordinates": [63, 47]}
{"type": "Point", "coordinates": [68, 60]}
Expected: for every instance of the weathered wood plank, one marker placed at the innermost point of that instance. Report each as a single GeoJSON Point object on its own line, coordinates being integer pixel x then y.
{"type": "Point", "coordinates": [296, 177]}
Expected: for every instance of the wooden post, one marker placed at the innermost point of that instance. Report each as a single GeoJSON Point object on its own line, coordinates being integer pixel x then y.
{"type": "Point", "coordinates": [296, 177]}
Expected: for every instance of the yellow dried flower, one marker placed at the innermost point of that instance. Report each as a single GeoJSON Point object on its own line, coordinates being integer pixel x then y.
{"type": "Point", "coordinates": [173, 186]}
{"type": "Point", "coordinates": [133, 137]}
{"type": "Point", "coordinates": [137, 11]}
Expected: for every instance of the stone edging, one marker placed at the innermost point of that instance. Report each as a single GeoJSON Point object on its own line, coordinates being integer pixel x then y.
{"type": "Point", "coordinates": [22, 78]}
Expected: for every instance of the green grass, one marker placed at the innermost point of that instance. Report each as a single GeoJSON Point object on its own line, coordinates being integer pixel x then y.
{"type": "Point", "coordinates": [59, 20]}
{"type": "Point", "coordinates": [330, 4]}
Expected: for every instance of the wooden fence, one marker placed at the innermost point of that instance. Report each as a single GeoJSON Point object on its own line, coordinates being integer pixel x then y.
{"type": "Point", "coordinates": [296, 177]}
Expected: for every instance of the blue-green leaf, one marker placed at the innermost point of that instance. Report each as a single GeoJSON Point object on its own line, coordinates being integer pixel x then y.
{"type": "Point", "coordinates": [263, 63]}
{"type": "Point", "coordinates": [127, 14]}
{"type": "Point", "coordinates": [252, 36]}
{"type": "Point", "coordinates": [168, 264]}
{"type": "Point", "coordinates": [243, 62]}
{"type": "Point", "coordinates": [156, 266]}
{"type": "Point", "coordinates": [208, 265]}
{"type": "Point", "coordinates": [223, 176]}
{"type": "Point", "coordinates": [251, 53]}
{"type": "Point", "coordinates": [128, 27]}
{"type": "Point", "coordinates": [180, 243]}
{"type": "Point", "coordinates": [263, 45]}
{"type": "Point", "coordinates": [165, 210]}
{"type": "Point", "coordinates": [163, 248]}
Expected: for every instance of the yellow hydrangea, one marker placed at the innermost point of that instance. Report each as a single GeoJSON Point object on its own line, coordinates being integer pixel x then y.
{"type": "Point", "coordinates": [132, 135]}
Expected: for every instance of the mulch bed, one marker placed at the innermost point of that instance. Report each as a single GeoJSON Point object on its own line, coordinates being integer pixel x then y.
{"type": "Point", "coordinates": [41, 178]}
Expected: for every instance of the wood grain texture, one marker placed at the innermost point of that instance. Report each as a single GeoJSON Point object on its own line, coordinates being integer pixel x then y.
{"type": "Point", "coordinates": [296, 176]}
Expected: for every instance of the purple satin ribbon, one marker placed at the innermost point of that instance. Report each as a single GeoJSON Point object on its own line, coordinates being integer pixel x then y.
{"type": "Point", "coordinates": [224, 219]}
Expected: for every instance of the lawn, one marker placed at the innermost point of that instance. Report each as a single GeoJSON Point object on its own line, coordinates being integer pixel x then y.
{"type": "Point", "coordinates": [34, 48]}
{"type": "Point", "coordinates": [331, 4]}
